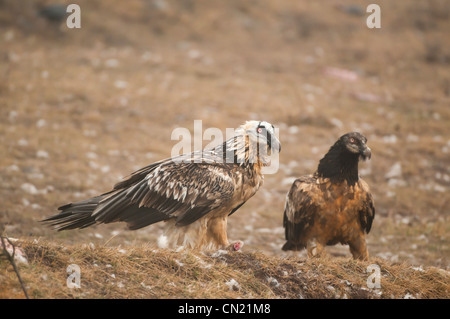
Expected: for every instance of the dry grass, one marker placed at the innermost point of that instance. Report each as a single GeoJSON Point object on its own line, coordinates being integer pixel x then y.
{"type": "Point", "coordinates": [145, 272]}
{"type": "Point", "coordinates": [82, 108]}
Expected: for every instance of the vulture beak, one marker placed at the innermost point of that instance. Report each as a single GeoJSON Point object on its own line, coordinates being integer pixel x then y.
{"type": "Point", "coordinates": [274, 144]}
{"type": "Point", "coordinates": [366, 153]}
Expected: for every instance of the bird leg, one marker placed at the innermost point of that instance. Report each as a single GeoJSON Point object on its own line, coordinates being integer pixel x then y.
{"type": "Point", "coordinates": [314, 248]}
{"type": "Point", "coordinates": [358, 248]}
{"type": "Point", "coordinates": [217, 232]}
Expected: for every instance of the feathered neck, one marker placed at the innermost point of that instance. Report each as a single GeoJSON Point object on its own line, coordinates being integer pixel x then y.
{"type": "Point", "coordinates": [339, 165]}
{"type": "Point", "coordinates": [238, 150]}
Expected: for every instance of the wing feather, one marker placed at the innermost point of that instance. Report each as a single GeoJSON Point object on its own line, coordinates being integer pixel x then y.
{"type": "Point", "coordinates": [367, 211]}
{"type": "Point", "coordinates": [183, 188]}
{"type": "Point", "coordinates": [300, 211]}
{"type": "Point", "coordinates": [185, 191]}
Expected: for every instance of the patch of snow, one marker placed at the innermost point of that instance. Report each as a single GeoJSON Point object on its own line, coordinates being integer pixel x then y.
{"type": "Point", "coordinates": [233, 284]}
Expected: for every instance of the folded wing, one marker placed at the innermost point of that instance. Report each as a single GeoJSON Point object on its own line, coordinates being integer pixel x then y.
{"type": "Point", "coordinates": [161, 191]}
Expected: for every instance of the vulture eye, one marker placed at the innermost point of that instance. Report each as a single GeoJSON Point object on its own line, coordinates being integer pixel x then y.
{"type": "Point", "coordinates": [352, 140]}
{"type": "Point", "coordinates": [259, 129]}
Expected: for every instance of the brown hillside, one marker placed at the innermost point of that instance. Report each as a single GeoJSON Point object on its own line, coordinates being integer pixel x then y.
{"type": "Point", "coordinates": [82, 108]}
{"type": "Point", "coordinates": [146, 272]}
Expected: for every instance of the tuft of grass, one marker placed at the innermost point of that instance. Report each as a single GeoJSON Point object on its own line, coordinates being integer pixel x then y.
{"type": "Point", "coordinates": [146, 272]}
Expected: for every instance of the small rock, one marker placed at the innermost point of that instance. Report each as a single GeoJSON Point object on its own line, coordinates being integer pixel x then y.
{"type": "Point", "coordinates": [12, 168]}
{"type": "Point", "coordinates": [42, 154]}
{"type": "Point", "coordinates": [390, 139]}
{"type": "Point", "coordinates": [293, 129]}
{"type": "Point", "coordinates": [120, 84]}
{"type": "Point", "coordinates": [273, 282]}
{"type": "Point", "coordinates": [233, 284]}
{"type": "Point", "coordinates": [41, 123]}
{"type": "Point", "coordinates": [22, 142]}
{"type": "Point", "coordinates": [112, 63]}
{"type": "Point", "coordinates": [342, 74]}
{"type": "Point", "coordinates": [29, 188]}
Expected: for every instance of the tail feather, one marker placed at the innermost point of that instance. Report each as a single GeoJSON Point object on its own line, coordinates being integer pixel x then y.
{"type": "Point", "coordinates": [109, 208]}
{"type": "Point", "coordinates": [74, 215]}
{"type": "Point", "coordinates": [292, 246]}
{"type": "Point", "coordinates": [105, 208]}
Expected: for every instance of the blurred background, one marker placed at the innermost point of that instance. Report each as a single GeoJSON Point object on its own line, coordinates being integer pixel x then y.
{"type": "Point", "coordinates": [82, 108]}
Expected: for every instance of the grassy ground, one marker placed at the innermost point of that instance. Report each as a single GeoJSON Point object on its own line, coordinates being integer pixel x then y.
{"type": "Point", "coordinates": [146, 272]}
{"type": "Point", "coordinates": [82, 108]}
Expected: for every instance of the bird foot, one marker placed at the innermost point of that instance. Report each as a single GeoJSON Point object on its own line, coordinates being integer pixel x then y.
{"type": "Point", "coordinates": [236, 246]}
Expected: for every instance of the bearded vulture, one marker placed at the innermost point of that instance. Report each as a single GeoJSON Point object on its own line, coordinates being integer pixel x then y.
{"type": "Point", "coordinates": [193, 193]}
{"type": "Point", "coordinates": [334, 205]}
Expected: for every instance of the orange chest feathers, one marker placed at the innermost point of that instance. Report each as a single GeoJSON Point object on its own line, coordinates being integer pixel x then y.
{"type": "Point", "coordinates": [339, 204]}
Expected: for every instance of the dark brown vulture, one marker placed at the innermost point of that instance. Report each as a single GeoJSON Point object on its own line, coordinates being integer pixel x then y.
{"type": "Point", "coordinates": [193, 193]}
{"type": "Point", "coordinates": [334, 205]}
